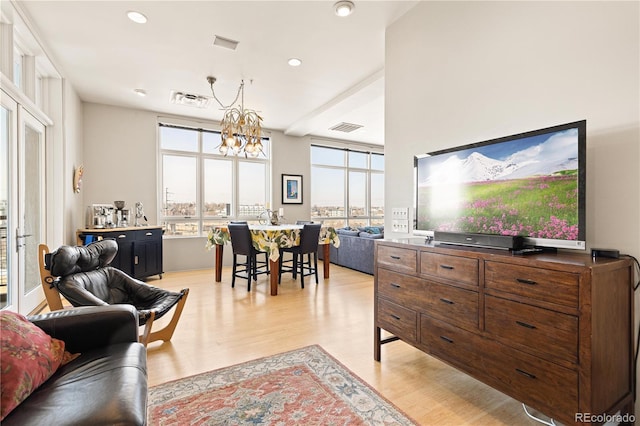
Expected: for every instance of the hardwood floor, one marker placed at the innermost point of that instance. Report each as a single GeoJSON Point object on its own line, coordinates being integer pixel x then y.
{"type": "Point", "coordinates": [221, 326]}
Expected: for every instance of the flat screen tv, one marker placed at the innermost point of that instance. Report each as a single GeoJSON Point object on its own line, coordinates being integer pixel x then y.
{"type": "Point", "coordinates": [530, 185]}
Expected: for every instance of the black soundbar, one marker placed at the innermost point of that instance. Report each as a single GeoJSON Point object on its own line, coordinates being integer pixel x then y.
{"type": "Point", "coordinates": [479, 240]}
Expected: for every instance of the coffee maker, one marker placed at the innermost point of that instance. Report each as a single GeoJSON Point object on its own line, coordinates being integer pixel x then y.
{"type": "Point", "coordinates": [100, 216]}
{"type": "Point", "coordinates": [122, 214]}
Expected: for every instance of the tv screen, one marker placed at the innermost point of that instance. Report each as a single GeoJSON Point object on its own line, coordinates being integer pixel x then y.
{"type": "Point", "coordinates": [531, 185]}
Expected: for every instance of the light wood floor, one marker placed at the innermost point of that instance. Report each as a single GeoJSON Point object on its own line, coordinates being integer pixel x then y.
{"type": "Point", "coordinates": [221, 326]}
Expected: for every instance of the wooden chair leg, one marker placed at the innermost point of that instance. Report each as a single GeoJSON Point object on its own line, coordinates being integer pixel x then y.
{"type": "Point", "coordinates": [166, 333]}
{"type": "Point", "coordinates": [144, 338]}
{"type": "Point", "coordinates": [51, 293]}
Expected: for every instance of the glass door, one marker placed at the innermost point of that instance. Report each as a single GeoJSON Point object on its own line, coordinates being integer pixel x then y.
{"type": "Point", "coordinates": [22, 201]}
{"type": "Point", "coordinates": [31, 209]}
{"type": "Point", "coordinates": [8, 134]}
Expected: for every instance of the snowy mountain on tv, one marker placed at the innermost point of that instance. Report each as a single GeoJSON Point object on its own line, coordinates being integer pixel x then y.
{"type": "Point", "coordinates": [556, 154]}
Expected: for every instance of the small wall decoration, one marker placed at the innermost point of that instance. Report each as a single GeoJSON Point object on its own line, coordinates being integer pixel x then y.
{"type": "Point", "coordinates": [77, 178]}
{"type": "Point", "coordinates": [291, 189]}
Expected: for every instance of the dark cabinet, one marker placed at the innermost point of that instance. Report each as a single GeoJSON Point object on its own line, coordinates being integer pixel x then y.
{"type": "Point", "coordinates": [147, 253]}
{"type": "Point", "coordinates": [139, 249]}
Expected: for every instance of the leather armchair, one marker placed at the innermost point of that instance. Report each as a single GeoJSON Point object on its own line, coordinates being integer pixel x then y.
{"type": "Point", "coordinates": [85, 279]}
{"type": "Point", "coordinates": [106, 384]}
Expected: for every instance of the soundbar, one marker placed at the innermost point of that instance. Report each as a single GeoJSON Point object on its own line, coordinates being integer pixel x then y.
{"type": "Point", "coordinates": [505, 242]}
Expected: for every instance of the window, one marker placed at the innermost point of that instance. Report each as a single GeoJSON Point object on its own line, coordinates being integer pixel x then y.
{"type": "Point", "coordinates": [199, 187]}
{"type": "Point", "coordinates": [347, 187]}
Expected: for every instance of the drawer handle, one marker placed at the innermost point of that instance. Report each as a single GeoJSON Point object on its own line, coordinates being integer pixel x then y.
{"type": "Point", "coordinates": [395, 317]}
{"type": "Point", "coordinates": [446, 267]}
{"type": "Point", "coordinates": [525, 325]}
{"type": "Point", "coordinates": [122, 236]}
{"type": "Point", "coordinates": [148, 234]}
{"type": "Point", "coordinates": [524, 373]}
{"type": "Point", "coordinates": [446, 339]}
{"type": "Point", "coordinates": [394, 285]}
{"type": "Point", "coordinates": [448, 302]}
{"type": "Point", "coordinates": [395, 257]}
{"type": "Point", "coordinates": [524, 281]}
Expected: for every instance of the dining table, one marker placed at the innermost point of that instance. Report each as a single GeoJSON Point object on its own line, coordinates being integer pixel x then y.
{"type": "Point", "coordinates": [270, 239]}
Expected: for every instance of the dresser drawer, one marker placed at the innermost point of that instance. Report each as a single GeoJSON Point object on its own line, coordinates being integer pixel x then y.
{"type": "Point", "coordinates": [453, 304]}
{"type": "Point", "coordinates": [535, 330]}
{"type": "Point", "coordinates": [451, 343]}
{"type": "Point", "coordinates": [542, 284]}
{"type": "Point", "coordinates": [400, 321]}
{"type": "Point", "coordinates": [398, 259]}
{"type": "Point", "coordinates": [455, 268]}
{"type": "Point", "coordinates": [148, 234]}
{"type": "Point", "coordinates": [404, 290]}
{"type": "Point", "coordinates": [536, 382]}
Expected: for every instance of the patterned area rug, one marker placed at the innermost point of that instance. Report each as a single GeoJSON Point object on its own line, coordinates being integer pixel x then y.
{"type": "Point", "coordinates": [302, 387]}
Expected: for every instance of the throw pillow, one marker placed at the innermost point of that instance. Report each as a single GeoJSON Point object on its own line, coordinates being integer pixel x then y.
{"type": "Point", "coordinates": [28, 357]}
{"type": "Point", "coordinates": [372, 230]}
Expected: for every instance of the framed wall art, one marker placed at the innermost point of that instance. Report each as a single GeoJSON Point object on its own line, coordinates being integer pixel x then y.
{"type": "Point", "coordinates": [291, 189]}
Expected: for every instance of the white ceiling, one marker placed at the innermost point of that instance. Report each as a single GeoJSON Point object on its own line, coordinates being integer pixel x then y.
{"type": "Point", "coordinates": [106, 56]}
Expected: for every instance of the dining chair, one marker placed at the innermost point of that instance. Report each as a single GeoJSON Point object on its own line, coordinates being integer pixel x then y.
{"type": "Point", "coordinates": [242, 245]}
{"type": "Point", "coordinates": [308, 246]}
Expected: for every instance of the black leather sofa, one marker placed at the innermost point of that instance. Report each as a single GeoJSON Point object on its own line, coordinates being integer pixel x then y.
{"type": "Point", "coordinates": [105, 385]}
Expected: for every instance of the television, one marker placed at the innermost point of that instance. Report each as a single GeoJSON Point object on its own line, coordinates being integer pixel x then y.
{"type": "Point", "coordinates": [529, 186]}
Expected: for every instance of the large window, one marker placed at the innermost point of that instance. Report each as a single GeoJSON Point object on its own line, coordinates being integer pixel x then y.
{"type": "Point", "coordinates": [347, 187]}
{"type": "Point", "coordinates": [199, 187]}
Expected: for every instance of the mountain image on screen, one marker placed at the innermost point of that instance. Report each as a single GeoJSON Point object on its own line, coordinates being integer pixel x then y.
{"type": "Point", "coordinates": [525, 187]}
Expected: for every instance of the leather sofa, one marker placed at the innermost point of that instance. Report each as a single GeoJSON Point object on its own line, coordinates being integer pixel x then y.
{"type": "Point", "coordinates": [356, 249]}
{"type": "Point", "coordinates": [105, 384]}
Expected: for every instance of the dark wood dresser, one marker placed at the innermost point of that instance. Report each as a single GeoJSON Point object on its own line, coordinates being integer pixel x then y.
{"type": "Point", "coordinates": [553, 331]}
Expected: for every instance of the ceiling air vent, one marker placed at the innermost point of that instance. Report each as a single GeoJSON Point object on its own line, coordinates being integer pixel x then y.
{"type": "Point", "coordinates": [225, 42]}
{"type": "Point", "coordinates": [198, 101]}
{"type": "Point", "coordinates": [345, 127]}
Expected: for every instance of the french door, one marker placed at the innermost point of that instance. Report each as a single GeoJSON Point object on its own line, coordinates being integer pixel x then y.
{"type": "Point", "coordinates": [22, 206]}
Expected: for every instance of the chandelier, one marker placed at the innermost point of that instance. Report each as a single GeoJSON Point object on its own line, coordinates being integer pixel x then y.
{"type": "Point", "coordinates": [241, 129]}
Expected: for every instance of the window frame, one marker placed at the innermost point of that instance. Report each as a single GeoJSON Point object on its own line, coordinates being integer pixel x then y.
{"type": "Point", "coordinates": [203, 221]}
{"type": "Point", "coordinates": [348, 218]}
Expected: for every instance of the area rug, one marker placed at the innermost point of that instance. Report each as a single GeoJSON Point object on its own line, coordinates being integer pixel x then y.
{"type": "Point", "coordinates": [302, 387]}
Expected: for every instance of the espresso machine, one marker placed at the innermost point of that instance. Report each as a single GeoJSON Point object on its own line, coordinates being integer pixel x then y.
{"type": "Point", "coordinates": [100, 216]}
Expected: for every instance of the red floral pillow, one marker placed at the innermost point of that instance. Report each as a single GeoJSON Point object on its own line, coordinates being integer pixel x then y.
{"type": "Point", "coordinates": [28, 357]}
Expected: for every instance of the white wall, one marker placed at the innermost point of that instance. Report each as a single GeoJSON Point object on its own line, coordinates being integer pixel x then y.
{"type": "Point", "coordinates": [72, 122]}
{"type": "Point", "coordinates": [120, 164]}
{"type": "Point", "coordinates": [463, 72]}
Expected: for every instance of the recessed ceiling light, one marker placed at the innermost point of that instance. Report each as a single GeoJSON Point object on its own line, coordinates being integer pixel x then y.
{"type": "Point", "coordinates": [295, 62]}
{"type": "Point", "coordinates": [140, 92]}
{"type": "Point", "coordinates": [137, 17]}
{"type": "Point", "coordinates": [344, 8]}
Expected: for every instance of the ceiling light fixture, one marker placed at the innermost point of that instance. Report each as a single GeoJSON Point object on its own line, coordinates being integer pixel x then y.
{"type": "Point", "coordinates": [344, 8]}
{"type": "Point", "coordinates": [294, 62]}
{"type": "Point", "coordinates": [137, 17]}
{"type": "Point", "coordinates": [240, 128]}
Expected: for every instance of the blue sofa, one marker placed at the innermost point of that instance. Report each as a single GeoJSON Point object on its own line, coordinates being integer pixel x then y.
{"type": "Point", "coordinates": [356, 248]}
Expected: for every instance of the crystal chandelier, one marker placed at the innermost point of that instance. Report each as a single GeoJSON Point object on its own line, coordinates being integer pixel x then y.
{"type": "Point", "coordinates": [241, 129]}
